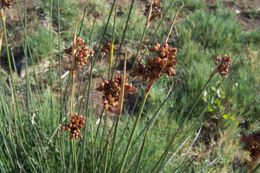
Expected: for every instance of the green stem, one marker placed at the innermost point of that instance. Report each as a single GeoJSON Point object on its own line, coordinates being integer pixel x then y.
{"type": "Point", "coordinates": [111, 56]}
{"type": "Point", "coordinates": [72, 92]}
{"type": "Point", "coordinates": [163, 156]}
{"type": "Point", "coordinates": [89, 84]}
{"type": "Point", "coordinates": [107, 149]}
{"type": "Point", "coordinates": [113, 144]}
{"type": "Point", "coordinates": [74, 153]}
{"type": "Point", "coordinates": [123, 36]}
{"type": "Point", "coordinates": [133, 131]}
{"type": "Point", "coordinates": [141, 152]}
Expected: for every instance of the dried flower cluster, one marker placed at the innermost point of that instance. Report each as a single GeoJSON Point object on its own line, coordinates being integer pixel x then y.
{"type": "Point", "coordinates": [107, 48]}
{"type": "Point", "coordinates": [80, 51]}
{"type": "Point", "coordinates": [223, 65]}
{"type": "Point", "coordinates": [6, 3]}
{"type": "Point", "coordinates": [156, 9]}
{"type": "Point", "coordinates": [163, 63]}
{"type": "Point", "coordinates": [77, 122]}
{"type": "Point", "coordinates": [112, 89]}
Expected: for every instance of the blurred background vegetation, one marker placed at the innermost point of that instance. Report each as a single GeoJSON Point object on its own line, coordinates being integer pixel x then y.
{"type": "Point", "coordinates": [210, 140]}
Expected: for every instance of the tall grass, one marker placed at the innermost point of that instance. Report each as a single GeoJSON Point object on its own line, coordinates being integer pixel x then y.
{"type": "Point", "coordinates": [162, 135]}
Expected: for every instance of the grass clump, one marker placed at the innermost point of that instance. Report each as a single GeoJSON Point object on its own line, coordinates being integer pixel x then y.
{"type": "Point", "coordinates": [44, 44]}
{"type": "Point", "coordinates": [61, 14]}
{"type": "Point", "coordinates": [212, 30]}
{"type": "Point", "coordinates": [190, 5]}
{"type": "Point", "coordinates": [191, 103]}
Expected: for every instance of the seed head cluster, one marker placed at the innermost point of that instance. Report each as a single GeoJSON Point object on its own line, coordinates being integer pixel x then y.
{"type": "Point", "coordinates": [163, 63]}
{"type": "Point", "coordinates": [6, 3]}
{"type": "Point", "coordinates": [223, 65]}
{"type": "Point", "coordinates": [76, 123]}
{"type": "Point", "coordinates": [80, 51]}
{"type": "Point", "coordinates": [111, 90]}
{"type": "Point", "coordinates": [107, 48]}
{"type": "Point", "coordinates": [156, 9]}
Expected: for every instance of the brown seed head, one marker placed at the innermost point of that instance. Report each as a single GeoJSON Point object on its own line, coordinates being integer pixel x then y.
{"type": "Point", "coordinates": [156, 9]}
{"type": "Point", "coordinates": [6, 3]}
{"type": "Point", "coordinates": [80, 52]}
{"type": "Point", "coordinates": [223, 65]}
{"type": "Point", "coordinates": [76, 123]}
{"type": "Point", "coordinates": [164, 62]}
{"type": "Point", "coordinates": [111, 90]}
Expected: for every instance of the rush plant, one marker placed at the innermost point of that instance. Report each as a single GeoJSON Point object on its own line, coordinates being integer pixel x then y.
{"type": "Point", "coordinates": [145, 113]}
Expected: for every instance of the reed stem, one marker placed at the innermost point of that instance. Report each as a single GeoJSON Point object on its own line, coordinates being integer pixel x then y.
{"type": "Point", "coordinates": [133, 130]}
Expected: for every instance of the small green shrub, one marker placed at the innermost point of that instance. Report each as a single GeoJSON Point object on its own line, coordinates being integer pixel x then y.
{"type": "Point", "coordinates": [216, 31]}
{"type": "Point", "coordinates": [190, 5]}
{"type": "Point", "coordinates": [66, 18]}
{"type": "Point", "coordinates": [43, 44]}
{"type": "Point", "coordinates": [253, 37]}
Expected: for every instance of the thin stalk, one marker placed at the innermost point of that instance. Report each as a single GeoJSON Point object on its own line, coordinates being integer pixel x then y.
{"type": "Point", "coordinates": [158, 26]}
{"type": "Point", "coordinates": [82, 74]}
{"type": "Point", "coordinates": [13, 88]}
{"type": "Point", "coordinates": [74, 155]}
{"type": "Point", "coordinates": [144, 32]}
{"type": "Point", "coordinates": [149, 126]}
{"type": "Point", "coordinates": [133, 131]}
{"type": "Point", "coordinates": [173, 22]}
{"type": "Point", "coordinates": [72, 95]}
{"type": "Point", "coordinates": [72, 92]}
{"type": "Point", "coordinates": [113, 144]}
{"type": "Point", "coordinates": [120, 110]}
{"type": "Point", "coordinates": [111, 56]}
{"type": "Point", "coordinates": [60, 137]}
{"type": "Point", "coordinates": [50, 59]}
{"type": "Point", "coordinates": [3, 17]}
{"type": "Point", "coordinates": [99, 124]}
{"type": "Point", "coordinates": [92, 146]}
{"type": "Point", "coordinates": [59, 53]}
{"type": "Point", "coordinates": [26, 61]}
{"type": "Point", "coordinates": [82, 21]}
{"type": "Point", "coordinates": [149, 14]}
{"type": "Point", "coordinates": [89, 86]}
{"type": "Point", "coordinates": [109, 130]}
{"type": "Point", "coordinates": [124, 33]}
{"type": "Point", "coordinates": [84, 68]}
{"type": "Point", "coordinates": [106, 26]}
{"type": "Point", "coordinates": [74, 149]}
{"type": "Point", "coordinates": [107, 150]}
{"type": "Point", "coordinates": [180, 126]}
{"type": "Point", "coordinates": [205, 86]}
{"type": "Point", "coordinates": [156, 114]}
{"type": "Point", "coordinates": [141, 152]}
{"type": "Point", "coordinates": [102, 136]}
